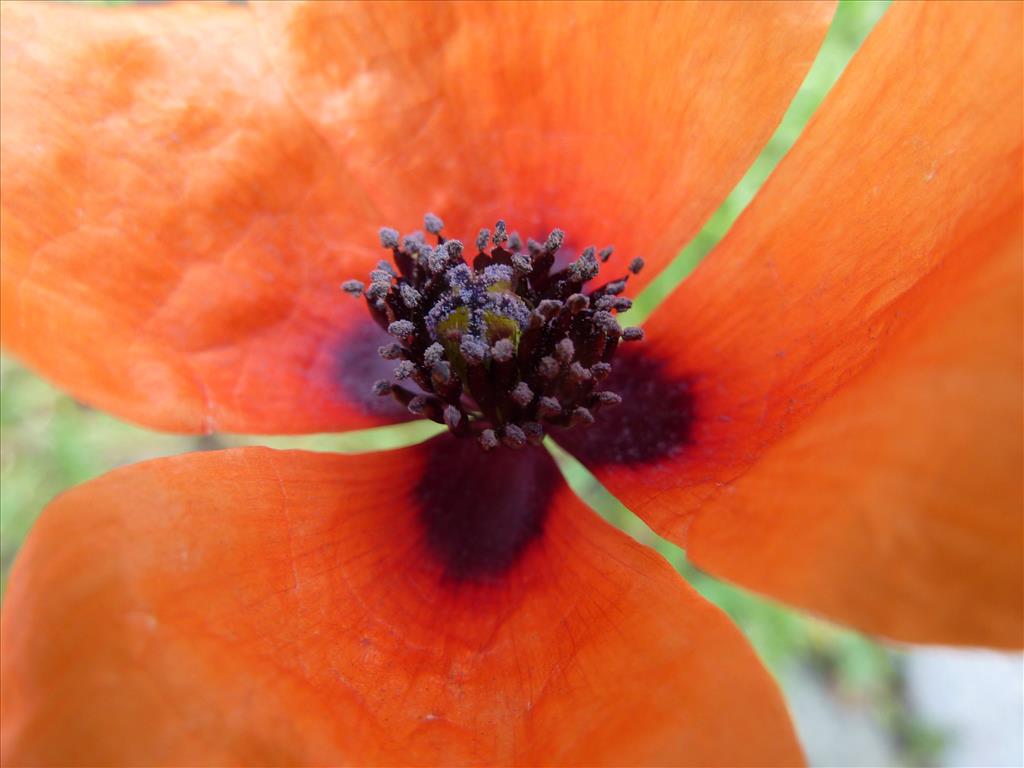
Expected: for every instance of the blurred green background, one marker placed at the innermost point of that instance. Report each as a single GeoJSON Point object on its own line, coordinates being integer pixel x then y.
{"type": "Point", "coordinates": [50, 443]}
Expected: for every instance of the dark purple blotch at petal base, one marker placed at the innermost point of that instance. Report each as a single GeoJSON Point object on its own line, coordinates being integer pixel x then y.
{"type": "Point", "coordinates": [358, 366]}
{"type": "Point", "coordinates": [654, 421]}
{"type": "Point", "coordinates": [481, 511]}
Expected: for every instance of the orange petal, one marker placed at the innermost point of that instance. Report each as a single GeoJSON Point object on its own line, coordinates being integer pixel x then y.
{"type": "Point", "coordinates": [174, 232]}
{"type": "Point", "coordinates": [904, 185]}
{"type": "Point", "coordinates": [624, 124]}
{"type": "Point", "coordinates": [897, 506]}
{"type": "Point", "coordinates": [258, 607]}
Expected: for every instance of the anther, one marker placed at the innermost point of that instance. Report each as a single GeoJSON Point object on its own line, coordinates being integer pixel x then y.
{"type": "Point", "coordinates": [534, 432]}
{"type": "Point", "coordinates": [607, 323]}
{"type": "Point", "coordinates": [522, 263]}
{"type": "Point", "coordinates": [441, 373]}
{"type": "Point", "coordinates": [513, 436]}
{"type": "Point", "coordinates": [600, 371]}
{"type": "Point", "coordinates": [438, 260]}
{"type": "Point", "coordinates": [499, 233]}
{"type": "Point", "coordinates": [481, 239]}
{"type": "Point", "coordinates": [633, 334]}
{"type": "Point", "coordinates": [488, 440]}
{"type": "Point", "coordinates": [404, 370]}
{"type": "Point", "coordinates": [564, 350]}
{"type": "Point", "coordinates": [452, 417]}
{"type": "Point", "coordinates": [433, 224]}
{"type": "Point", "coordinates": [380, 276]}
{"type": "Point", "coordinates": [548, 367]}
{"type": "Point", "coordinates": [388, 237]}
{"type": "Point", "coordinates": [410, 296]}
{"type": "Point", "coordinates": [585, 267]}
{"type": "Point", "coordinates": [577, 373]}
{"type": "Point", "coordinates": [581, 417]}
{"type": "Point", "coordinates": [377, 291]}
{"type": "Point", "coordinates": [522, 395]}
{"type": "Point", "coordinates": [549, 406]}
{"type": "Point", "coordinates": [433, 354]}
{"type": "Point", "coordinates": [548, 308]}
{"type": "Point", "coordinates": [390, 351]}
{"type": "Point", "coordinates": [454, 250]}
{"type": "Point", "coordinates": [515, 242]}
{"type": "Point", "coordinates": [608, 398]}
{"type": "Point", "coordinates": [381, 388]}
{"type": "Point", "coordinates": [577, 303]}
{"type": "Point", "coordinates": [606, 253]}
{"type": "Point", "coordinates": [615, 288]}
{"type": "Point", "coordinates": [636, 265]}
{"type": "Point", "coordinates": [354, 287]}
{"type": "Point", "coordinates": [402, 329]}
{"type": "Point", "coordinates": [554, 241]}
{"type": "Point", "coordinates": [473, 351]}
{"type": "Point", "coordinates": [503, 350]}
{"type": "Point", "coordinates": [622, 304]}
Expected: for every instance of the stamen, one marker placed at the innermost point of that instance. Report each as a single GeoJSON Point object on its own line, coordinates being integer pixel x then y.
{"type": "Point", "coordinates": [390, 351]}
{"type": "Point", "coordinates": [534, 432]}
{"type": "Point", "coordinates": [555, 240]}
{"type": "Point", "coordinates": [404, 370]}
{"type": "Point", "coordinates": [633, 334]}
{"type": "Point", "coordinates": [499, 233]}
{"type": "Point", "coordinates": [389, 237]}
{"type": "Point", "coordinates": [522, 395]}
{"type": "Point", "coordinates": [581, 416]}
{"type": "Point", "coordinates": [410, 296]}
{"type": "Point", "coordinates": [501, 348]}
{"type": "Point", "coordinates": [432, 224]}
{"type": "Point", "coordinates": [402, 329]}
{"type": "Point", "coordinates": [577, 303]}
{"type": "Point", "coordinates": [355, 287]}
{"type": "Point", "coordinates": [549, 406]}
{"type": "Point", "coordinates": [513, 436]}
{"type": "Point", "coordinates": [473, 351]}
{"type": "Point", "coordinates": [488, 440]}
{"type": "Point", "coordinates": [433, 354]}
{"type": "Point", "coordinates": [564, 350]}
{"type": "Point", "coordinates": [521, 263]}
{"type": "Point", "coordinates": [452, 417]}
{"type": "Point", "coordinates": [548, 367]}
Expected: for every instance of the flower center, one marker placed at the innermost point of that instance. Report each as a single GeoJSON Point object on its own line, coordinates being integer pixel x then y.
{"type": "Point", "coordinates": [503, 348]}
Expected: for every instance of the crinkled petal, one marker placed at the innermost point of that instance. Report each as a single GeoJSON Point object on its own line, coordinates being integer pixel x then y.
{"type": "Point", "coordinates": [261, 607]}
{"type": "Point", "coordinates": [897, 506]}
{"type": "Point", "coordinates": [621, 123]}
{"type": "Point", "coordinates": [174, 231]}
{"type": "Point", "coordinates": [905, 185]}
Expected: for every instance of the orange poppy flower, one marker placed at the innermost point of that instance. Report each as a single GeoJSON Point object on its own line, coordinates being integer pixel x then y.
{"type": "Point", "coordinates": [828, 411]}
